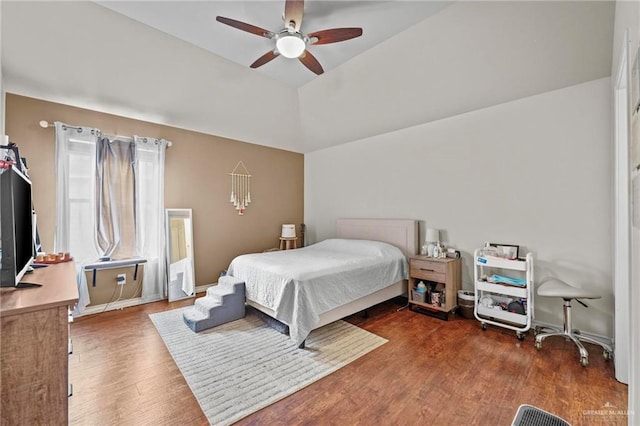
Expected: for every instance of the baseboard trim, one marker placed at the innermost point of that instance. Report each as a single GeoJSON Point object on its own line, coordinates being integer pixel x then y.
{"type": "Point", "coordinates": [90, 310]}
{"type": "Point", "coordinates": [203, 288]}
{"type": "Point", "coordinates": [121, 304]}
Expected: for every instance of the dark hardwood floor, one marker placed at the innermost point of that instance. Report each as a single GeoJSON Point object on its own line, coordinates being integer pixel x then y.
{"type": "Point", "coordinates": [430, 372]}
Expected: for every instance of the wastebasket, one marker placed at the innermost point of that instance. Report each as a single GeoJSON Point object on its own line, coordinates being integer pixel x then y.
{"type": "Point", "coordinates": [466, 302]}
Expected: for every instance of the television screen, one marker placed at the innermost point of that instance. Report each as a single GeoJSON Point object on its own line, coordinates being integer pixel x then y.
{"type": "Point", "coordinates": [16, 230]}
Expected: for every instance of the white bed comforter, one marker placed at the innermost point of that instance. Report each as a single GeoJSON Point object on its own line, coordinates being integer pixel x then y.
{"type": "Point", "coordinates": [299, 285]}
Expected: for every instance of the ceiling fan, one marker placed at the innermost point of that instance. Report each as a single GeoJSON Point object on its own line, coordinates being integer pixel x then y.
{"type": "Point", "coordinates": [290, 41]}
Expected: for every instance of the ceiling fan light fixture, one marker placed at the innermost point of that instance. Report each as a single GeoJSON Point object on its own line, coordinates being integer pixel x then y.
{"type": "Point", "coordinates": [291, 45]}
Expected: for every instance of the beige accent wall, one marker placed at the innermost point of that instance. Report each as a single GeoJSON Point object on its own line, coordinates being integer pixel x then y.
{"type": "Point", "coordinates": [196, 177]}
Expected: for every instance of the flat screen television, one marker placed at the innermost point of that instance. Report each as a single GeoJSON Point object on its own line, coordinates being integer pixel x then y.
{"type": "Point", "coordinates": [16, 228]}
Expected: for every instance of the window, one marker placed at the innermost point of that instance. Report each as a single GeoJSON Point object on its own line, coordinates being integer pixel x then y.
{"type": "Point", "coordinates": [110, 201]}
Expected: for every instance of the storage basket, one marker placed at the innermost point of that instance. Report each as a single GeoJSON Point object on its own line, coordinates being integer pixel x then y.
{"type": "Point", "coordinates": [418, 296]}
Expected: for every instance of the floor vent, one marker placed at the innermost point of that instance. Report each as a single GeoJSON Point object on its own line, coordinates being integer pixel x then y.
{"type": "Point", "coordinates": [528, 415]}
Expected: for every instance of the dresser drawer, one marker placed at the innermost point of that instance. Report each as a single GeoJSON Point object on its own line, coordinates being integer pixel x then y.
{"type": "Point", "coordinates": [428, 270]}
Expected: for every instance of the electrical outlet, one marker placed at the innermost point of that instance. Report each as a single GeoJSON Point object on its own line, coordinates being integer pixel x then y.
{"type": "Point", "coordinates": [121, 279]}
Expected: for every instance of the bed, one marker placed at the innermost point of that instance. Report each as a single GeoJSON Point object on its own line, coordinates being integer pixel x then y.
{"type": "Point", "coordinates": [315, 285]}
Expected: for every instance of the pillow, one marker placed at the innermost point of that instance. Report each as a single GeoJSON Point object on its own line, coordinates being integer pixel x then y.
{"type": "Point", "coordinates": [360, 247]}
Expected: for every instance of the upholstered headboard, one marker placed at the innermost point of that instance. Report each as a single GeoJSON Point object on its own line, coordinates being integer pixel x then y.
{"type": "Point", "coordinates": [402, 233]}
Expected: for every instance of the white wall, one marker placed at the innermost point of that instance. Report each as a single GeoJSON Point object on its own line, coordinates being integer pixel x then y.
{"type": "Point", "coordinates": [534, 172]}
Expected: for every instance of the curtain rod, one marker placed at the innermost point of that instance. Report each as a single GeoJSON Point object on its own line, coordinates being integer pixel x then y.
{"type": "Point", "coordinates": [45, 124]}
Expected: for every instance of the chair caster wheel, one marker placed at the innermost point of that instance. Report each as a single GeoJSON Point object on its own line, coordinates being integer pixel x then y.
{"type": "Point", "coordinates": [484, 327]}
{"type": "Point", "coordinates": [584, 361]}
{"type": "Point", "coordinates": [520, 336]}
{"type": "Point", "coordinates": [538, 345]}
{"type": "Point", "coordinates": [536, 330]}
{"type": "Point", "coordinates": [606, 355]}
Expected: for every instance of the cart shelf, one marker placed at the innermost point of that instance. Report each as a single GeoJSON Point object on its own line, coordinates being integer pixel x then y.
{"type": "Point", "coordinates": [491, 314]}
{"type": "Point", "coordinates": [519, 292]}
{"type": "Point", "coordinates": [498, 262]}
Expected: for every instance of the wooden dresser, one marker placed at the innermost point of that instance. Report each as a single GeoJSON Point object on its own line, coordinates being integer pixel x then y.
{"type": "Point", "coordinates": [34, 347]}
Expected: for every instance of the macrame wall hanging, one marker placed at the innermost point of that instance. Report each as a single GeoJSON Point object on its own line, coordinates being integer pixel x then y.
{"type": "Point", "coordinates": [240, 187]}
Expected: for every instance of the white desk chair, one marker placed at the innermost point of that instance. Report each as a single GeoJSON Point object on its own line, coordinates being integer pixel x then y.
{"type": "Point", "coordinates": [557, 288]}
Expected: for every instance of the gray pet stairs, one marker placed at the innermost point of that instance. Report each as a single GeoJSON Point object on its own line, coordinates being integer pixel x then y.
{"type": "Point", "coordinates": [222, 304]}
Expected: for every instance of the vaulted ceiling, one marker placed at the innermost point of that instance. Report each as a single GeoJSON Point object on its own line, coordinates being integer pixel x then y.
{"type": "Point", "coordinates": [194, 22]}
{"type": "Point", "coordinates": [170, 62]}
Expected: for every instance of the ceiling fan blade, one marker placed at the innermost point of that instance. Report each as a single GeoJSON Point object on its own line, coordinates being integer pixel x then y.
{"type": "Point", "coordinates": [311, 62]}
{"type": "Point", "coordinates": [270, 55]}
{"type": "Point", "coordinates": [245, 27]}
{"type": "Point", "coordinates": [293, 10]}
{"type": "Point", "coordinates": [334, 35]}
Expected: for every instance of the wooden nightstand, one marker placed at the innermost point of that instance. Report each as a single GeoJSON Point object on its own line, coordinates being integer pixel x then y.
{"type": "Point", "coordinates": [442, 276]}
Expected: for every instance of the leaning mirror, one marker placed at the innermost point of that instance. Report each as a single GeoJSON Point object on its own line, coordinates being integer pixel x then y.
{"type": "Point", "coordinates": [179, 229]}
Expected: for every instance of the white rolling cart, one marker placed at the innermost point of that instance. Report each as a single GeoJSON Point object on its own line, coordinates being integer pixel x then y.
{"type": "Point", "coordinates": [493, 297]}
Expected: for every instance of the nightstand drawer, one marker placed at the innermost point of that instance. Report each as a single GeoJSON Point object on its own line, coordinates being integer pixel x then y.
{"type": "Point", "coordinates": [428, 270]}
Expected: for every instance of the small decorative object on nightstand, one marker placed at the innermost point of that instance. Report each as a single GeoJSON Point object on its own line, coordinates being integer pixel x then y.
{"type": "Point", "coordinates": [442, 278]}
{"type": "Point", "coordinates": [288, 238]}
{"type": "Point", "coordinates": [438, 251]}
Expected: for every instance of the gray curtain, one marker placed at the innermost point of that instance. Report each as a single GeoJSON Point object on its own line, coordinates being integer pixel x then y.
{"type": "Point", "coordinates": [115, 198]}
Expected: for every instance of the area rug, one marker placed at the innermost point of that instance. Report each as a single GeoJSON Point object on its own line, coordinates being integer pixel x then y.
{"type": "Point", "coordinates": [238, 368]}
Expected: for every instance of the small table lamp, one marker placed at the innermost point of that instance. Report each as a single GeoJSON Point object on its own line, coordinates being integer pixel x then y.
{"type": "Point", "coordinates": [288, 237]}
{"type": "Point", "coordinates": [432, 237]}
